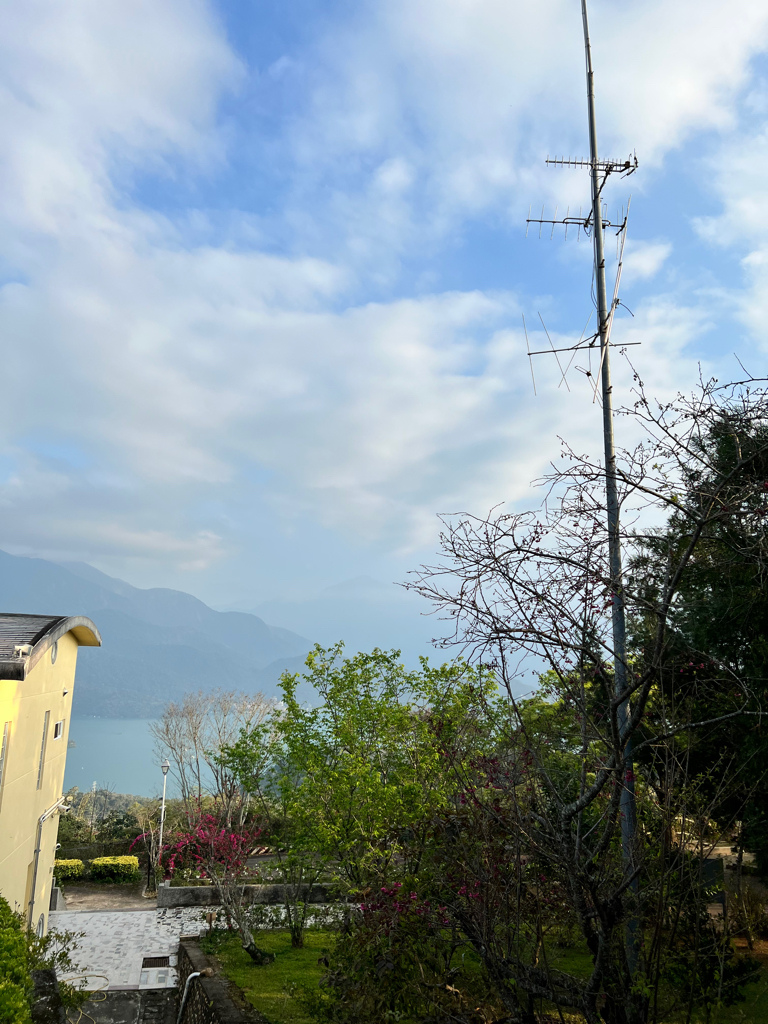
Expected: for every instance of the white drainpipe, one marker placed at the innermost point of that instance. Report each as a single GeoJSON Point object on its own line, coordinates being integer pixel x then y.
{"type": "Point", "coordinates": [58, 806]}
{"type": "Point", "coordinates": [206, 973]}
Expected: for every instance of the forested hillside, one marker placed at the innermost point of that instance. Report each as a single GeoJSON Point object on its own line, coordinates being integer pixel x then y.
{"type": "Point", "coordinates": [158, 644]}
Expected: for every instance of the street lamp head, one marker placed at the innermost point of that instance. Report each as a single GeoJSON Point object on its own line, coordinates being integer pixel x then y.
{"type": "Point", "coordinates": [165, 766]}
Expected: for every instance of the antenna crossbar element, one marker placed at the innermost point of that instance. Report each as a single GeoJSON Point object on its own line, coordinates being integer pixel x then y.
{"type": "Point", "coordinates": [583, 348]}
{"type": "Point", "coordinates": [624, 167]}
{"type": "Point", "coordinates": [584, 222]}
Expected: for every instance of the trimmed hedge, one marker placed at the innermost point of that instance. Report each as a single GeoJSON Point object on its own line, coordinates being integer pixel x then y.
{"type": "Point", "coordinates": [15, 977]}
{"type": "Point", "coordinates": [115, 869]}
{"type": "Point", "coordinates": [66, 870]}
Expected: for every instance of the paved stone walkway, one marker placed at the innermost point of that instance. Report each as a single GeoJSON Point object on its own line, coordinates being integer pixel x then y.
{"type": "Point", "coordinates": [115, 942]}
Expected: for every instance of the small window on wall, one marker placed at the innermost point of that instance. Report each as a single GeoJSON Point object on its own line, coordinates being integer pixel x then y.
{"type": "Point", "coordinates": [58, 730]}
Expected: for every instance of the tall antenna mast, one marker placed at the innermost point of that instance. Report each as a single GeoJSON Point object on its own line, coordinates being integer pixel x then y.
{"type": "Point", "coordinates": [596, 222]}
{"type": "Point", "coordinates": [618, 613]}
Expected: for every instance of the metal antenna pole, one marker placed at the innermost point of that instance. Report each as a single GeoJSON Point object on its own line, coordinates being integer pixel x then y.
{"type": "Point", "coordinates": [618, 619]}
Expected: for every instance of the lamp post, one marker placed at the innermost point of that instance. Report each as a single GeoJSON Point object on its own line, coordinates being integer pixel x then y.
{"type": "Point", "coordinates": [165, 766]}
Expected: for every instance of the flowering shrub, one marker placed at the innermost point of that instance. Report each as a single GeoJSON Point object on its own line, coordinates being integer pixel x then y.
{"type": "Point", "coordinates": [66, 870]}
{"type": "Point", "coordinates": [213, 849]}
{"type": "Point", "coordinates": [399, 957]}
{"type": "Point", "coordinates": [220, 852]}
{"type": "Point", "coordinates": [115, 869]}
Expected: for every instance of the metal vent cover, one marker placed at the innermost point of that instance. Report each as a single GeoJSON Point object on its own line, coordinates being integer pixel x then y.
{"type": "Point", "coordinates": [155, 961]}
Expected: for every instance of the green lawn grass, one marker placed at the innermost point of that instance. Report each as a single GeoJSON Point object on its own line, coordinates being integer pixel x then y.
{"type": "Point", "coordinates": [754, 1010]}
{"type": "Point", "coordinates": [270, 989]}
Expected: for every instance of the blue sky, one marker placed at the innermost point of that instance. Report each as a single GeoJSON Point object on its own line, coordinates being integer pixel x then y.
{"type": "Point", "coordinates": [263, 265]}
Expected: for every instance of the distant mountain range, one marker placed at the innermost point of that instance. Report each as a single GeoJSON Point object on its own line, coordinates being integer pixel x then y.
{"type": "Point", "coordinates": [158, 643]}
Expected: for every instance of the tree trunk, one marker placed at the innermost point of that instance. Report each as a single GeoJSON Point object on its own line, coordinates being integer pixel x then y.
{"type": "Point", "coordinates": [259, 957]}
{"type": "Point", "coordinates": [740, 894]}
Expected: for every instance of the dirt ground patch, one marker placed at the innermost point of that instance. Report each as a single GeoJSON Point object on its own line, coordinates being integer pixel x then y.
{"type": "Point", "coordinates": [760, 951]}
{"type": "Point", "coordinates": [103, 896]}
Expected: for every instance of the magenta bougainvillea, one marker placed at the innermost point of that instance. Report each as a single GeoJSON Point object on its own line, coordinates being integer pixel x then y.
{"type": "Point", "coordinates": [211, 847]}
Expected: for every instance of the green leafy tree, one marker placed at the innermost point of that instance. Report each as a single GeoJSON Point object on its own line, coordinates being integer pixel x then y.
{"type": "Point", "coordinates": [348, 784]}
{"type": "Point", "coordinates": [715, 660]}
{"type": "Point", "coordinates": [119, 826]}
{"type": "Point", "coordinates": [73, 830]}
{"type": "Point", "coordinates": [403, 959]}
{"type": "Point", "coordinates": [357, 776]}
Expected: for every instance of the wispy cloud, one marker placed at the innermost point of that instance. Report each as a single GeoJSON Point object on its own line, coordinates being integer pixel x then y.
{"type": "Point", "coordinates": [184, 346]}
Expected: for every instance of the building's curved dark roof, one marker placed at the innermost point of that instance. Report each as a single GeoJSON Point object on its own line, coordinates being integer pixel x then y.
{"type": "Point", "coordinates": [25, 638]}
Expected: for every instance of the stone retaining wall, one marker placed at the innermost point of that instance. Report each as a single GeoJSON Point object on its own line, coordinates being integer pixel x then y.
{"type": "Point", "coordinates": [208, 1001]}
{"type": "Point", "coordinates": [171, 896]}
{"type": "Point", "coordinates": [47, 1007]}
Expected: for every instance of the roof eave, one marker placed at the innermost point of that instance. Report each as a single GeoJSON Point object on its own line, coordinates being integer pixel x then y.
{"type": "Point", "coordinates": [81, 627]}
{"type": "Point", "coordinates": [13, 668]}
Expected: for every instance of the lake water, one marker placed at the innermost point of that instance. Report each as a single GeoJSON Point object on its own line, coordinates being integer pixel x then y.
{"type": "Point", "coordinates": [116, 753]}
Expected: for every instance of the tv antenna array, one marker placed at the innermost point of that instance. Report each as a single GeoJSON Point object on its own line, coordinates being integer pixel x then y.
{"type": "Point", "coordinates": [600, 170]}
{"type": "Point", "coordinates": [581, 222]}
{"type": "Point", "coordinates": [591, 343]}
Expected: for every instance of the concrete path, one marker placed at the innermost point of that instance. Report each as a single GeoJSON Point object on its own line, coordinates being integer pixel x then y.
{"type": "Point", "coordinates": [115, 943]}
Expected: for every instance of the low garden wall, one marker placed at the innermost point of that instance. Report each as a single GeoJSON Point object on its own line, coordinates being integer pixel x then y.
{"type": "Point", "coordinates": [208, 1000]}
{"type": "Point", "coordinates": [170, 896]}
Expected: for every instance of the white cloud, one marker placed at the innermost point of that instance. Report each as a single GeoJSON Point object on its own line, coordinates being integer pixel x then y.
{"type": "Point", "coordinates": [474, 95]}
{"type": "Point", "coordinates": [672, 69]}
{"type": "Point", "coordinates": [176, 368]}
{"type": "Point", "coordinates": [643, 260]}
{"type": "Point", "coordinates": [753, 308]}
{"type": "Point", "coordinates": [394, 176]}
{"type": "Point", "coordinates": [736, 177]}
{"type": "Point", "coordinates": [93, 85]}
{"type": "Point", "coordinates": [185, 366]}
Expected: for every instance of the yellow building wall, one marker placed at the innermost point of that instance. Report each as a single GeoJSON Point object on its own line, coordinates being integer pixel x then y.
{"type": "Point", "coordinates": [48, 687]}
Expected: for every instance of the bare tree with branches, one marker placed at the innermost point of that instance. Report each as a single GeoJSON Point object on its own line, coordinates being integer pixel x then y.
{"type": "Point", "coordinates": [535, 589]}
{"type": "Point", "coordinates": [192, 734]}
